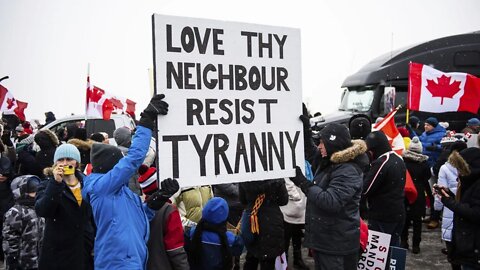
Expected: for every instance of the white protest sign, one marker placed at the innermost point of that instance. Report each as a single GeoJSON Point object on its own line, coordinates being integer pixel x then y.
{"type": "Point", "coordinates": [375, 256]}
{"type": "Point", "coordinates": [235, 95]}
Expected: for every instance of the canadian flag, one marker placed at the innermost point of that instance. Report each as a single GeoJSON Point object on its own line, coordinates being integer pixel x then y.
{"type": "Point", "coordinates": [431, 90]}
{"type": "Point", "coordinates": [388, 127]}
{"type": "Point", "coordinates": [101, 104]}
{"type": "Point", "coordinates": [10, 105]}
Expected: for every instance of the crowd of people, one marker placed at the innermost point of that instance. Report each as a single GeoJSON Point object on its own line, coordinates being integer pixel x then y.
{"type": "Point", "coordinates": [71, 200]}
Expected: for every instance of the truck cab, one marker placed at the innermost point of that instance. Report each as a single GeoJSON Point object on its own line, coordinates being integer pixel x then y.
{"type": "Point", "coordinates": [363, 92]}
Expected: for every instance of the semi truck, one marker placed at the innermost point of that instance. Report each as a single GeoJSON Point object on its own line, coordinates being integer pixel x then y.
{"type": "Point", "coordinates": [363, 92]}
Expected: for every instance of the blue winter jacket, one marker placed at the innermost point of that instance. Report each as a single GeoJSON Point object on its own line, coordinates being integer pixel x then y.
{"type": "Point", "coordinates": [122, 219]}
{"type": "Point", "coordinates": [433, 137]}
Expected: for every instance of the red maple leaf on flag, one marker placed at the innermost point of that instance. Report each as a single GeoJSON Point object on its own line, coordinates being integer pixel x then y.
{"type": "Point", "coordinates": [117, 104]}
{"type": "Point", "coordinates": [443, 89]}
{"type": "Point", "coordinates": [95, 94]}
{"type": "Point", "coordinates": [10, 103]}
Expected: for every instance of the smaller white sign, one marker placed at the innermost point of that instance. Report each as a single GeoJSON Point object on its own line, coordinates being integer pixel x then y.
{"type": "Point", "coordinates": [389, 98]}
{"type": "Point", "coordinates": [375, 256]}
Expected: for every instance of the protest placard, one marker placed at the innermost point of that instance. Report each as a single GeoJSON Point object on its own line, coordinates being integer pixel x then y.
{"type": "Point", "coordinates": [375, 256]}
{"type": "Point", "coordinates": [235, 95]}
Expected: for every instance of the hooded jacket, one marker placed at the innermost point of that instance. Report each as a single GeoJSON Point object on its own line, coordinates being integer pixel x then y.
{"type": "Point", "coordinates": [447, 177]}
{"type": "Point", "coordinates": [216, 213]}
{"type": "Point", "coordinates": [332, 220]}
{"type": "Point", "coordinates": [69, 228]}
{"type": "Point", "coordinates": [385, 182]}
{"type": "Point", "coordinates": [466, 211]}
{"type": "Point", "coordinates": [122, 219]}
{"type": "Point", "coordinates": [432, 138]}
{"type": "Point", "coordinates": [419, 170]}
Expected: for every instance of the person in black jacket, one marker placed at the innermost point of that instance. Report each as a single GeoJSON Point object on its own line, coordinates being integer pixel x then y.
{"type": "Point", "coordinates": [419, 170]}
{"type": "Point", "coordinates": [265, 196]}
{"type": "Point", "coordinates": [384, 188]}
{"type": "Point", "coordinates": [465, 206]}
{"type": "Point", "coordinates": [6, 195]}
{"type": "Point", "coordinates": [48, 142]}
{"type": "Point", "coordinates": [69, 229]}
{"type": "Point", "coordinates": [332, 221]}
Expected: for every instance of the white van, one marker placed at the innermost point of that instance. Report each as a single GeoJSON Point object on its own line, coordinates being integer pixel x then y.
{"type": "Point", "coordinates": [93, 125]}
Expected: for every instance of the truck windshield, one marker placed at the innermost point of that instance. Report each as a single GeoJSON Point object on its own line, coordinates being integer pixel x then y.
{"type": "Point", "coordinates": [358, 101]}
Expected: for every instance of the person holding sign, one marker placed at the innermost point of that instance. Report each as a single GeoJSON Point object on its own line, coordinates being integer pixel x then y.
{"type": "Point", "coordinates": [122, 219]}
{"type": "Point", "coordinates": [332, 221]}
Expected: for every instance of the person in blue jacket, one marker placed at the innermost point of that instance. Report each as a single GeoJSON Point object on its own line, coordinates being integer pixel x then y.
{"type": "Point", "coordinates": [431, 138]}
{"type": "Point", "coordinates": [121, 218]}
{"type": "Point", "coordinates": [208, 244]}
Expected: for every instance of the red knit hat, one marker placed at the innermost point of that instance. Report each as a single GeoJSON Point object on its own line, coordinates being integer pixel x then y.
{"type": "Point", "coordinates": [148, 179]}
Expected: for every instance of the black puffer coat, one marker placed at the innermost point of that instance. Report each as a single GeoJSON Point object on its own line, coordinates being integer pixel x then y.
{"type": "Point", "coordinates": [69, 230]}
{"type": "Point", "coordinates": [384, 184]}
{"type": "Point", "coordinates": [466, 212]}
{"type": "Point", "coordinates": [419, 170]}
{"type": "Point", "coordinates": [269, 243]}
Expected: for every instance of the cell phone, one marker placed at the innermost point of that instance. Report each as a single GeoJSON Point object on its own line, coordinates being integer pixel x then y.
{"type": "Point", "coordinates": [438, 188]}
{"type": "Point", "coordinates": [68, 170]}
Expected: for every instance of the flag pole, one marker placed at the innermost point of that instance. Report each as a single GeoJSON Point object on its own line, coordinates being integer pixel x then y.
{"type": "Point", "coordinates": [86, 93]}
{"type": "Point", "coordinates": [407, 115]}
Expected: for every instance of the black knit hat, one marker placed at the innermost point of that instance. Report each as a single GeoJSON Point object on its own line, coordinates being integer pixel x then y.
{"type": "Point", "coordinates": [104, 157]}
{"type": "Point", "coordinates": [335, 137]}
{"type": "Point", "coordinates": [359, 127]}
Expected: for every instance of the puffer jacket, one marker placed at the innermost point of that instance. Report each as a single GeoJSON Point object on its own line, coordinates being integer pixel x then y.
{"type": "Point", "coordinates": [466, 212]}
{"type": "Point", "coordinates": [48, 142]}
{"type": "Point", "coordinates": [332, 220]}
{"type": "Point", "coordinates": [190, 203]}
{"type": "Point", "coordinates": [269, 242]}
{"type": "Point", "coordinates": [447, 177]}
{"type": "Point", "coordinates": [122, 219]}
{"type": "Point", "coordinates": [432, 137]}
{"type": "Point", "coordinates": [385, 182]}
{"type": "Point", "coordinates": [419, 170]}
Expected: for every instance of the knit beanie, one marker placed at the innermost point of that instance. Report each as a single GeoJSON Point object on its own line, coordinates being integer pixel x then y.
{"type": "Point", "coordinates": [335, 137]}
{"type": "Point", "coordinates": [148, 179]}
{"type": "Point", "coordinates": [414, 121]}
{"type": "Point", "coordinates": [67, 151]}
{"type": "Point", "coordinates": [432, 121]}
{"type": "Point", "coordinates": [416, 145]}
{"type": "Point", "coordinates": [104, 157]}
{"type": "Point", "coordinates": [359, 127]}
{"type": "Point", "coordinates": [123, 136]}
{"type": "Point", "coordinates": [97, 137]}
{"type": "Point", "coordinates": [473, 122]}
{"type": "Point", "coordinates": [215, 211]}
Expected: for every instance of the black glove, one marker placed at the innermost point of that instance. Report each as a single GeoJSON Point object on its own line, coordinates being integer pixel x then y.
{"type": "Point", "coordinates": [158, 199]}
{"type": "Point", "coordinates": [155, 107]}
{"type": "Point", "coordinates": [432, 147]}
{"type": "Point", "coordinates": [300, 181]}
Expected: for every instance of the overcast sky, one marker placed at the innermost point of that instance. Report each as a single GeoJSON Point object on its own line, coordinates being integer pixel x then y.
{"type": "Point", "coordinates": [45, 46]}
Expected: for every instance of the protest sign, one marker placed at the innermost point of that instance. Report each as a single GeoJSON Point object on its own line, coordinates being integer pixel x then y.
{"type": "Point", "coordinates": [398, 258]}
{"type": "Point", "coordinates": [235, 95]}
{"type": "Point", "coordinates": [375, 256]}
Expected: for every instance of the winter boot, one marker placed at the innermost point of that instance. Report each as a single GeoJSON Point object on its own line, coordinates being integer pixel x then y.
{"type": "Point", "coordinates": [298, 262]}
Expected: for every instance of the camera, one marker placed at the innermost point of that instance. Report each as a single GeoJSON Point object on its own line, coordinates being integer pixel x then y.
{"type": "Point", "coordinates": [68, 170]}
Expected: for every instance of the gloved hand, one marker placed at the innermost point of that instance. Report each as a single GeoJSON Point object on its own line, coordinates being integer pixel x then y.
{"type": "Point", "coordinates": [300, 181]}
{"type": "Point", "coordinates": [155, 107]}
{"type": "Point", "coordinates": [432, 147]}
{"type": "Point", "coordinates": [157, 200]}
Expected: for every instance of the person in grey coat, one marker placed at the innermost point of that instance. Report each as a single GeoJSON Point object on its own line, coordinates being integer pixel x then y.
{"type": "Point", "coordinates": [332, 222]}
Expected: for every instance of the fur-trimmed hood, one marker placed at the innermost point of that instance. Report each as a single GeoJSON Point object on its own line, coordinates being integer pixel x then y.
{"type": "Point", "coordinates": [417, 157]}
{"type": "Point", "coordinates": [46, 139]}
{"type": "Point", "coordinates": [81, 144]}
{"type": "Point", "coordinates": [358, 148]}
